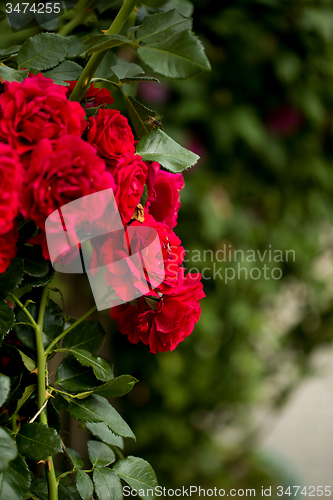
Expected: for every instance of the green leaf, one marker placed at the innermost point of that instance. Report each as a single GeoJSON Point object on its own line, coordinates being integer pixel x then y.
{"type": "Point", "coordinates": [37, 282]}
{"type": "Point", "coordinates": [100, 366]}
{"type": "Point", "coordinates": [117, 387]}
{"type": "Point", "coordinates": [138, 473]}
{"type": "Point", "coordinates": [26, 395]}
{"type": "Point", "coordinates": [87, 335]}
{"type": "Point", "coordinates": [76, 458]}
{"type": "Point", "coordinates": [138, 114]}
{"type": "Point", "coordinates": [107, 484]}
{"type": "Point", "coordinates": [8, 449]}
{"type": "Point", "coordinates": [98, 409]}
{"type": "Point", "coordinates": [144, 196]}
{"type": "Point", "coordinates": [66, 71]}
{"type": "Point", "coordinates": [7, 318]}
{"type": "Point", "coordinates": [124, 69]}
{"type": "Point", "coordinates": [38, 267]}
{"type": "Point", "coordinates": [4, 388]}
{"type": "Point", "coordinates": [29, 363]}
{"type": "Point", "coordinates": [102, 432]}
{"type": "Point", "coordinates": [100, 454]}
{"type": "Point", "coordinates": [159, 27]}
{"type": "Point", "coordinates": [40, 489]}
{"type": "Point", "coordinates": [38, 441]}
{"type": "Point", "coordinates": [53, 322]}
{"type": "Point", "coordinates": [137, 79]}
{"type": "Point", "coordinates": [43, 51]}
{"type": "Point", "coordinates": [185, 7]}
{"type": "Point", "coordinates": [73, 377]}
{"type": "Point", "coordinates": [11, 50]}
{"type": "Point", "coordinates": [103, 42]}
{"type": "Point", "coordinates": [180, 56]}
{"type": "Point", "coordinates": [158, 146]}
{"type": "Point", "coordinates": [104, 69]}
{"type": "Point", "coordinates": [15, 481]}
{"type": "Point", "coordinates": [84, 485]}
{"type": "Point", "coordinates": [12, 277]}
{"type": "Point", "coordinates": [53, 418]}
{"type": "Point", "coordinates": [11, 74]}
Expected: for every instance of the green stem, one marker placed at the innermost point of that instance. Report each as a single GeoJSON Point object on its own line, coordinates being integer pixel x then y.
{"type": "Point", "coordinates": [41, 394]}
{"type": "Point", "coordinates": [41, 360]}
{"type": "Point", "coordinates": [73, 325]}
{"type": "Point", "coordinates": [81, 10]}
{"type": "Point", "coordinates": [95, 60]}
{"type": "Point", "coordinates": [25, 310]}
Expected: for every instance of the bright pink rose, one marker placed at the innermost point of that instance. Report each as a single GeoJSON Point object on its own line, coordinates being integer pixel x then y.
{"type": "Point", "coordinates": [11, 173]}
{"type": "Point", "coordinates": [167, 324]}
{"type": "Point", "coordinates": [111, 134]}
{"type": "Point", "coordinates": [163, 200]}
{"type": "Point", "coordinates": [7, 248]}
{"type": "Point", "coordinates": [36, 109]}
{"type": "Point", "coordinates": [94, 96]}
{"type": "Point", "coordinates": [130, 176]}
{"type": "Point", "coordinates": [58, 175]}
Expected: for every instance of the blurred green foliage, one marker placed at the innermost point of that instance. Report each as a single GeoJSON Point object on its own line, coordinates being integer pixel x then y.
{"type": "Point", "coordinates": [262, 121]}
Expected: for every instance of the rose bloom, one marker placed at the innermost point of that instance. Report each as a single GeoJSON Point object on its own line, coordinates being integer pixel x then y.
{"type": "Point", "coordinates": [10, 186]}
{"type": "Point", "coordinates": [36, 109]}
{"type": "Point", "coordinates": [94, 96]}
{"type": "Point", "coordinates": [60, 173]}
{"type": "Point", "coordinates": [168, 322]}
{"type": "Point", "coordinates": [156, 257]}
{"type": "Point", "coordinates": [163, 194]}
{"type": "Point", "coordinates": [172, 252]}
{"type": "Point", "coordinates": [7, 248]}
{"type": "Point", "coordinates": [111, 134]}
{"type": "Point", "coordinates": [130, 176]}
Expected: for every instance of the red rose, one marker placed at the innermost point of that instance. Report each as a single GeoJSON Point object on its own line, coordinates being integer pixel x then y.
{"type": "Point", "coordinates": [94, 96]}
{"type": "Point", "coordinates": [36, 109]}
{"type": "Point", "coordinates": [10, 186]}
{"type": "Point", "coordinates": [156, 258]}
{"type": "Point", "coordinates": [163, 200]}
{"type": "Point", "coordinates": [58, 175]}
{"type": "Point", "coordinates": [7, 248]}
{"type": "Point", "coordinates": [172, 252]}
{"type": "Point", "coordinates": [130, 176]}
{"type": "Point", "coordinates": [111, 134]}
{"type": "Point", "coordinates": [167, 324]}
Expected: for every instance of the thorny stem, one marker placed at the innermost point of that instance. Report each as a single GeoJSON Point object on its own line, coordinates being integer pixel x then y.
{"type": "Point", "coordinates": [95, 60]}
{"type": "Point", "coordinates": [41, 381]}
{"type": "Point", "coordinates": [81, 11]}
{"type": "Point", "coordinates": [41, 396]}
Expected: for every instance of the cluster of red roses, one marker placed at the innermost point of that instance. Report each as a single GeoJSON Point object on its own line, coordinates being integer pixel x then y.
{"type": "Point", "coordinates": [51, 155]}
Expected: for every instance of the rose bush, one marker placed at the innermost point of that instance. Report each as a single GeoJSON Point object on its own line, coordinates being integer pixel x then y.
{"type": "Point", "coordinates": [66, 159]}
{"type": "Point", "coordinates": [74, 171]}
